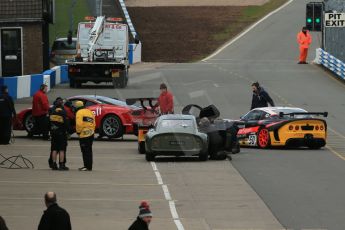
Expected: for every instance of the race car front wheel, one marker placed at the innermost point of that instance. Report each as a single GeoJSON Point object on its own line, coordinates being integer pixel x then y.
{"type": "Point", "coordinates": [28, 122]}
{"type": "Point", "coordinates": [111, 127]}
{"type": "Point", "coordinates": [263, 138]}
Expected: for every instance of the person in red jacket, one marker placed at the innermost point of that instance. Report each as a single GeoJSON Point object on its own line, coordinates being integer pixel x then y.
{"type": "Point", "coordinates": [40, 109]}
{"type": "Point", "coordinates": [165, 100]}
{"type": "Point", "coordinates": [304, 40]}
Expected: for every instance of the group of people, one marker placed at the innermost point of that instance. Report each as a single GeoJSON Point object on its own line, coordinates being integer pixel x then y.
{"type": "Point", "coordinates": [57, 218]}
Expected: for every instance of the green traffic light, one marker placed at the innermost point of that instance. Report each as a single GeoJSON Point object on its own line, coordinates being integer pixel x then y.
{"type": "Point", "coordinates": [318, 20]}
{"type": "Point", "coordinates": [309, 20]}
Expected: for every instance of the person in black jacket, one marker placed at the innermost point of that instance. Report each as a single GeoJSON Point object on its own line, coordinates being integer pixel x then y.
{"type": "Point", "coordinates": [3, 224]}
{"type": "Point", "coordinates": [58, 130]}
{"type": "Point", "coordinates": [55, 217]}
{"type": "Point", "coordinates": [144, 218]}
{"type": "Point", "coordinates": [260, 97]}
{"type": "Point", "coordinates": [7, 111]}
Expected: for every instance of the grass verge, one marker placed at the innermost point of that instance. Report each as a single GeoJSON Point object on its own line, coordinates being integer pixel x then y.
{"type": "Point", "coordinates": [64, 11]}
{"type": "Point", "coordinates": [248, 16]}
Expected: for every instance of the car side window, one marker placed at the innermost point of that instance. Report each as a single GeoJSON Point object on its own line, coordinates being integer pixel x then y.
{"type": "Point", "coordinates": [89, 103]}
{"type": "Point", "coordinates": [254, 115]}
{"type": "Point", "coordinates": [265, 116]}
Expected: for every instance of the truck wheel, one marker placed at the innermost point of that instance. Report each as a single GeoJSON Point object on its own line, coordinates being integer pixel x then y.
{"type": "Point", "coordinates": [114, 83]}
{"type": "Point", "coordinates": [123, 78]}
{"type": "Point", "coordinates": [71, 83]}
{"type": "Point", "coordinates": [111, 126]}
{"type": "Point", "coordinates": [77, 84]}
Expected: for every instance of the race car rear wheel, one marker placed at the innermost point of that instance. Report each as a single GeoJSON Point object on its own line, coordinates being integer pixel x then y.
{"type": "Point", "coordinates": [111, 126]}
{"type": "Point", "coordinates": [314, 146]}
{"type": "Point", "coordinates": [28, 122]}
{"type": "Point", "coordinates": [263, 138]}
{"type": "Point", "coordinates": [141, 147]}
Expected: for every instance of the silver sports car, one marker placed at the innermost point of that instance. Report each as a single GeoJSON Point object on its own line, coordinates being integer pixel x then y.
{"type": "Point", "coordinates": [176, 135]}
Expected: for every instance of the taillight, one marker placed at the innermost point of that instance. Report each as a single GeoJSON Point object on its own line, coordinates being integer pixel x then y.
{"type": "Point", "coordinates": [74, 70]}
{"type": "Point", "coordinates": [317, 128]}
{"type": "Point", "coordinates": [296, 127]}
{"type": "Point", "coordinates": [291, 127]}
{"type": "Point", "coordinates": [321, 127]}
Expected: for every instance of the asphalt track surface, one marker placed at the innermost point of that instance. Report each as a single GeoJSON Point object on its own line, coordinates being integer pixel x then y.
{"type": "Point", "coordinates": [302, 189]}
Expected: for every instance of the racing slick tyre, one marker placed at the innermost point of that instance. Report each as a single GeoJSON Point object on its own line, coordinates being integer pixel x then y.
{"type": "Point", "coordinates": [111, 127]}
{"type": "Point", "coordinates": [149, 156]}
{"type": "Point", "coordinates": [314, 146]}
{"type": "Point", "coordinates": [203, 156]}
{"type": "Point", "coordinates": [141, 147]}
{"type": "Point", "coordinates": [264, 138]}
{"type": "Point", "coordinates": [28, 122]}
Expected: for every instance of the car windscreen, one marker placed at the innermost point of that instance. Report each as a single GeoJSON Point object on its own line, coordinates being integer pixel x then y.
{"type": "Point", "coordinates": [63, 45]}
{"type": "Point", "coordinates": [176, 125]}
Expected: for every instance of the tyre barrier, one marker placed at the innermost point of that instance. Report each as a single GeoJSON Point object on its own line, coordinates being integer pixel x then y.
{"type": "Point", "coordinates": [27, 85]}
{"type": "Point", "coordinates": [330, 62]}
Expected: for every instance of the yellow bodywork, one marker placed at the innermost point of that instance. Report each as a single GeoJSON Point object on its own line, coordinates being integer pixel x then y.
{"type": "Point", "coordinates": [285, 132]}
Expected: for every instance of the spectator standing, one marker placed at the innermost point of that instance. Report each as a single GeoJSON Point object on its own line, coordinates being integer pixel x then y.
{"type": "Point", "coordinates": [40, 109]}
{"type": "Point", "coordinates": [85, 127]}
{"type": "Point", "coordinates": [260, 97]}
{"type": "Point", "coordinates": [7, 112]}
{"type": "Point", "coordinates": [55, 217]}
{"type": "Point", "coordinates": [58, 130]}
{"type": "Point", "coordinates": [3, 224]}
{"type": "Point", "coordinates": [165, 100]}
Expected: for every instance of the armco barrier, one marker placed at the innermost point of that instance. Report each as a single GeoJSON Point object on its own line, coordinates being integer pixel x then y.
{"type": "Point", "coordinates": [26, 86]}
{"type": "Point", "coordinates": [330, 62]}
{"type": "Point", "coordinates": [134, 49]}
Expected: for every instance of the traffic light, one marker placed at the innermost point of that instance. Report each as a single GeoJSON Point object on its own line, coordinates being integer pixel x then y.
{"type": "Point", "coordinates": [314, 14]}
{"type": "Point", "coordinates": [309, 16]}
{"type": "Point", "coordinates": [318, 15]}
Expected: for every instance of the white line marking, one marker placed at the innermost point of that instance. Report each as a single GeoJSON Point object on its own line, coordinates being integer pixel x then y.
{"type": "Point", "coordinates": [166, 192]}
{"type": "Point", "coordinates": [246, 31]}
{"type": "Point", "coordinates": [167, 195]}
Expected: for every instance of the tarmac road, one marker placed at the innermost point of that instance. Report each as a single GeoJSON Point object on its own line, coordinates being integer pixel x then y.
{"type": "Point", "coordinates": [302, 189]}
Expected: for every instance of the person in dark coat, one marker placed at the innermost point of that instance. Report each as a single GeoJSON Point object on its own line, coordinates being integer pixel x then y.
{"type": "Point", "coordinates": [7, 112]}
{"type": "Point", "coordinates": [55, 217]}
{"type": "Point", "coordinates": [144, 218]}
{"type": "Point", "coordinates": [3, 224]}
{"type": "Point", "coordinates": [260, 97]}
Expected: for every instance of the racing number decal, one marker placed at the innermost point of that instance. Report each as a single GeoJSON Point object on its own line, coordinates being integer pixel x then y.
{"type": "Point", "coordinates": [252, 140]}
{"type": "Point", "coordinates": [97, 112]}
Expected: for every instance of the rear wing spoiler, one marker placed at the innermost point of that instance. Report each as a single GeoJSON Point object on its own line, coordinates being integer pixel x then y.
{"type": "Point", "coordinates": [324, 114]}
{"type": "Point", "coordinates": [142, 100]}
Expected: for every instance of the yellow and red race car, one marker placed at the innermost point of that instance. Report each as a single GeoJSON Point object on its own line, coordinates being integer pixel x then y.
{"type": "Point", "coordinates": [283, 126]}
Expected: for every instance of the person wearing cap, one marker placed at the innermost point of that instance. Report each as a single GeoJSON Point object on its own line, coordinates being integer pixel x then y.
{"type": "Point", "coordinates": [40, 110]}
{"type": "Point", "coordinates": [58, 130]}
{"type": "Point", "coordinates": [54, 217]}
{"type": "Point", "coordinates": [85, 127]}
{"type": "Point", "coordinates": [144, 218]}
{"type": "Point", "coordinates": [7, 111]}
{"type": "Point", "coordinates": [304, 40]}
{"type": "Point", "coordinates": [260, 97]}
{"type": "Point", "coordinates": [165, 100]}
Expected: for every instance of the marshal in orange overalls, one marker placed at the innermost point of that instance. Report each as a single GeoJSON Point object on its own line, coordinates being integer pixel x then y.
{"type": "Point", "coordinates": [304, 40]}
